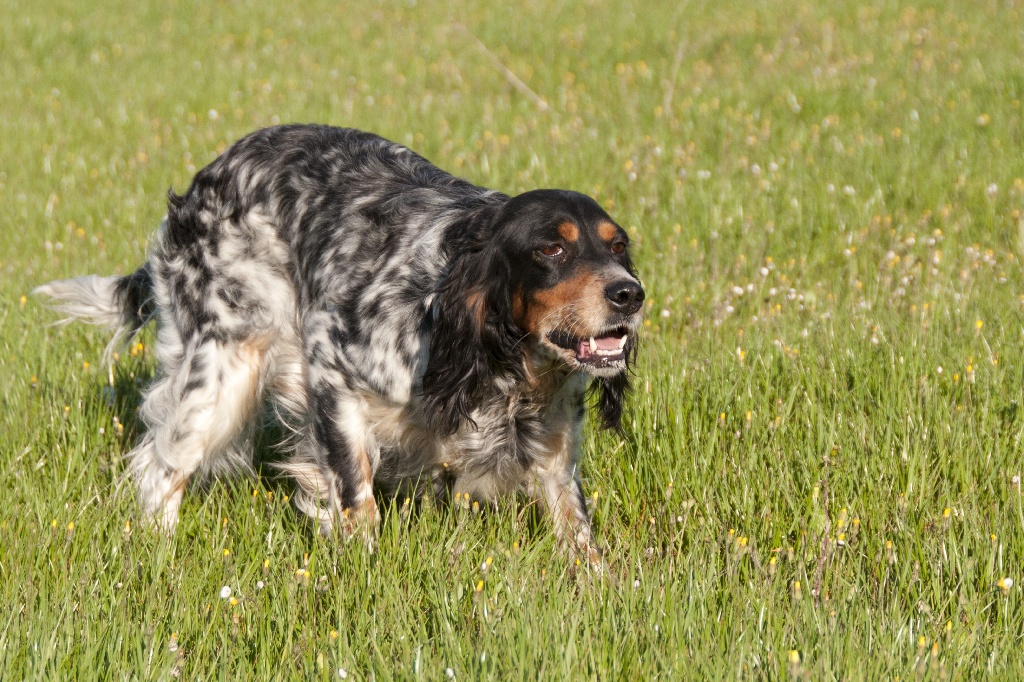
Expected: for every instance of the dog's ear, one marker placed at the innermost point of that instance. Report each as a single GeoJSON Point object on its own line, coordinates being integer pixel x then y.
{"type": "Point", "coordinates": [474, 339]}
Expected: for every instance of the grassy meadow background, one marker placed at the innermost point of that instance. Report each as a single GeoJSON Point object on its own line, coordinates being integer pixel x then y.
{"type": "Point", "coordinates": [819, 475]}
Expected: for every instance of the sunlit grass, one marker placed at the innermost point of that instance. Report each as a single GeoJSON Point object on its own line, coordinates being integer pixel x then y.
{"type": "Point", "coordinates": [820, 473]}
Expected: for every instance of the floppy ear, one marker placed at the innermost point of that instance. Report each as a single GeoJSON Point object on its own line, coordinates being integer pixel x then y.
{"type": "Point", "coordinates": [473, 339]}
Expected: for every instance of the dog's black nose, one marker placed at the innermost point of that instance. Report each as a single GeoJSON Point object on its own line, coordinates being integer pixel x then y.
{"type": "Point", "coordinates": [626, 296]}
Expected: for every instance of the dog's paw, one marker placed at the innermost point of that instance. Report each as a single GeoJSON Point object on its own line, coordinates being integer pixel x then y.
{"type": "Point", "coordinates": [592, 557]}
{"type": "Point", "coordinates": [361, 523]}
{"type": "Point", "coordinates": [585, 554]}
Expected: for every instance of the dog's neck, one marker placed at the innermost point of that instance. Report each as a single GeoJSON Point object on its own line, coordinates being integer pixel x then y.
{"type": "Point", "coordinates": [546, 378]}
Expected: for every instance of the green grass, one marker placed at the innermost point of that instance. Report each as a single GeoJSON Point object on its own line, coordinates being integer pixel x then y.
{"type": "Point", "coordinates": [826, 203]}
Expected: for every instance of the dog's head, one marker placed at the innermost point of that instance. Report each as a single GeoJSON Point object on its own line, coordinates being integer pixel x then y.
{"type": "Point", "coordinates": [550, 280]}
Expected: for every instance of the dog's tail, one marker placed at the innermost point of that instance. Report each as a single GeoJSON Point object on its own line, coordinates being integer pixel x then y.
{"type": "Point", "coordinates": [121, 304]}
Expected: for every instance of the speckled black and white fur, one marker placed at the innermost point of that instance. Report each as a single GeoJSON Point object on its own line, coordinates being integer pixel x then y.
{"type": "Point", "coordinates": [418, 331]}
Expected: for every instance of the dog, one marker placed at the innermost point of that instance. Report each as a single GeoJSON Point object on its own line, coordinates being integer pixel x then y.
{"type": "Point", "coordinates": [419, 333]}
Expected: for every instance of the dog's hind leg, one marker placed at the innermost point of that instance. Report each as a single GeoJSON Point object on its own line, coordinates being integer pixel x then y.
{"type": "Point", "coordinates": [340, 445]}
{"type": "Point", "coordinates": [348, 450]}
{"type": "Point", "coordinates": [198, 415]}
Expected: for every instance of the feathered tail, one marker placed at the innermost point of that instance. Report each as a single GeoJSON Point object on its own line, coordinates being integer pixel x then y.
{"type": "Point", "coordinates": [121, 304]}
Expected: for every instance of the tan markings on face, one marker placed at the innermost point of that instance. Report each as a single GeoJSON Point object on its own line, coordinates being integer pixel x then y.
{"type": "Point", "coordinates": [581, 297]}
{"type": "Point", "coordinates": [569, 231]}
{"type": "Point", "coordinates": [607, 231]}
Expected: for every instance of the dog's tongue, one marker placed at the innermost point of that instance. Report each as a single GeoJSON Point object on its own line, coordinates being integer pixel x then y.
{"type": "Point", "coordinates": [605, 344]}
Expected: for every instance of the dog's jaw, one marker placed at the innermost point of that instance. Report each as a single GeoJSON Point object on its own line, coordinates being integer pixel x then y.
{"type": "Point", "coordinates": [603, 354]}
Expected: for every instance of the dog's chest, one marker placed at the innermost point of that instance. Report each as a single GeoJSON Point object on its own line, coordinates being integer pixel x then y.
{"type": "Point", "coordinates": [527, 428]}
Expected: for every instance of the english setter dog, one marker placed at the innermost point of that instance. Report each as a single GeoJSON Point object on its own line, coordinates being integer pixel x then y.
{"type": "Point", "coordinates": [422, 333]}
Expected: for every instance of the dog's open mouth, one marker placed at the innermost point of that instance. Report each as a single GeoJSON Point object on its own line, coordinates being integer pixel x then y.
{"type": "Point", "coordinates": [606, 350]}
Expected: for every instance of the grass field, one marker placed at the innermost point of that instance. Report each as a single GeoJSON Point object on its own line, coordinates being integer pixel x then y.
{"type": "Point", "coordinates": [819, 475]}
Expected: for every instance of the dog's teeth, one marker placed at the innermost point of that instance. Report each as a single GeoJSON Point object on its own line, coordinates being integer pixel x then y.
{"type": "Point", "coordinates": [622, 342]}
{"type": "Point", "coordinates": [593, 345]}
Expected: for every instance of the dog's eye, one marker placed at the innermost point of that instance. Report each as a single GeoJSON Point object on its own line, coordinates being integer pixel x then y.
{"type": "Point", "coordinates": [552, 250]}
{"type": "Point", "coordinates": [618, 247]}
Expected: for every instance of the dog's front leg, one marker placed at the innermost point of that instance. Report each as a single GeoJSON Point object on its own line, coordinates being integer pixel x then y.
{"type": "Point", "coordinates": [555, 480]}
{"type": "Point", "coordinates": [564, 499]}
{"type": "Point", "coordinates": [346, 449]}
